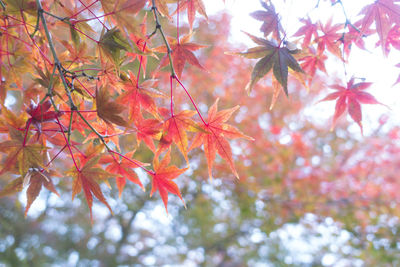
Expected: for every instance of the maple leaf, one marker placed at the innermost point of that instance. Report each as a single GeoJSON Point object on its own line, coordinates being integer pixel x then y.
{"type": "Point", "coordinates": [40, 113]}
{"type": "Point", "coordinates": [275, 57]}
{"type": "Point", "coordinates": [309, 30]}
{"type": "Point", "coordinates": [123, 170]}
{"type": "Point", "coordinates": [193, 6]}
{"type": "Point", "coordinates": [111, 133]}
{"type": "Point", "coordinates": [162, 179]}
{"type": "Point", "coordinates": [8, 118]}
{"type": "Point", "coordinates": [182, 52]}
{"type": "Point", "coordinates": [36, 179]}
{"type": "Point", "coordinates": [147, 130]}
{"type": "Point", "coordinates": [140, 96]}
{"type": "Point", "coordinates": [141, 47]}
{"type": "Point", "coordinates": [22, 155]}
{"type": "Point", "coordinates": [162, 6]}
{"type": "Point", "coordinates": [87, 179]}
{"type": "Point", "coordinates": [329, 39]}
{"type": "Point", "coordinates": [44, 78]}
{"type": "Point", "coordinates": [270, 19]}
{"type": "Point", "coordinates": [112, 43]}
{"type": "Point", "coordinates": [125, 13]}
{"type": "Point", "coordinates": [77, 54]}
{"type": "Point", "coordinates": [349, 98]}
{"type": "Point", "coordinates": [214, 137]}
{"type": "Point", "coordinates": [352, 37]}
{"type": "Point", "coordinates": [313, 61]}
{"type": "Point", "coordinates": [393, 39]}
{"type": "Point", "coordinates": [108, 109]}
{"type": "Point", "coordinates": [384, 13]}
{"type": "Point", "coordinates": [174, 130]}
{"type": "Point", "coordinates": [12, 187]}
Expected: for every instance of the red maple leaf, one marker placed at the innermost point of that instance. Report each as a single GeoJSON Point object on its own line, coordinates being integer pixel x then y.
{"type": "Point", "coordinates": [312, 62]}
{"type": "Point", "coordinates": [193, 6]}
{"type": "Point", "coordinates": [309, 30]}
{"type": "Point", "coordinates": [162, 179]}
{"type": "Point", "coordinates": [349, 98]}
{"type": "Point", "coordinates": [40, 113]}
{"type": "Point", "coordinates": [123, 170]}
{"type": "Point", "coordinates": [393, 39]}
{"type": "Point", "coordinates": [147, 130]}
{"type": "Point", "coordinates": [182, 52]}
{"type": "Point", "coordinates": [384, 13]}
{"type": "Point", "coordinates": [214, 137]}
{"type": "Point", "coordinates": [330, 39]}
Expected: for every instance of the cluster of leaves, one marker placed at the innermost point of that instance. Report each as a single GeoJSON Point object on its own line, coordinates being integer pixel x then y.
{"type": "Point", "coordinates": [316, 38]}
{"type": "Point", "coordinates": [88, 91]}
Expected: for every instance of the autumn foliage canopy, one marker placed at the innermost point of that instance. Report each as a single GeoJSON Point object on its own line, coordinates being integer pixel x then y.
{"type": "Point", "coordinates": [117, 92]}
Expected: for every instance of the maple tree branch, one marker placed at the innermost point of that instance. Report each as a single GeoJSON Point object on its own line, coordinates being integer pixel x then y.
{"type": "Point", "coordinates": [55, 16]}
{"type": "Point", "coordinates": [37, 26]}
{"type": "Point", "coordinates": [159, 28]}
{"type": "Point", "coordinates": [54, 53]}
{"type": "Point", "coordinates": [346, 17]}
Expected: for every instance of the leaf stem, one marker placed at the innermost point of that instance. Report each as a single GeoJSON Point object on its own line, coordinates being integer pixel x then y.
{"type": "Point", "coordinates": [130, 160]}
{"type": "Point", "coordinates": [28, 124]}
{"type": "Point", "coordinates": [68, 145]}
{"type": "Point", "coordinates": [177, 23]}
{"type": "Point", "coordinates": [140, 65]}
{"type": "Point", "coordinates": [70, 125]}
{"type": "Point", "coordinates": [191, 100]}
{"type": "Point", "coordinates": [171, 78]}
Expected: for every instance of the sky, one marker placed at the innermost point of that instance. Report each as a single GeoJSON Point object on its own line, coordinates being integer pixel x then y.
{"type": "Point", "coordinates": [369, 64]}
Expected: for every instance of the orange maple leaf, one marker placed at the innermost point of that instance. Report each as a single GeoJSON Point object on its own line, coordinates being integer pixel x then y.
{"type": "Point", "coordinates": [36, 180]}
{"type": "Point", "coordinates": [123, 170]}
{"type": "Point", "coordinates": [174, 130]}
{"type": "Point", "coordinates": [139, 96]}
{"type": "Point", "coordinates": [214, 137]}
{"type": "Point", "coordinates": [87, 178]}
{"type": "Point", "coordinates": [162, 179]}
